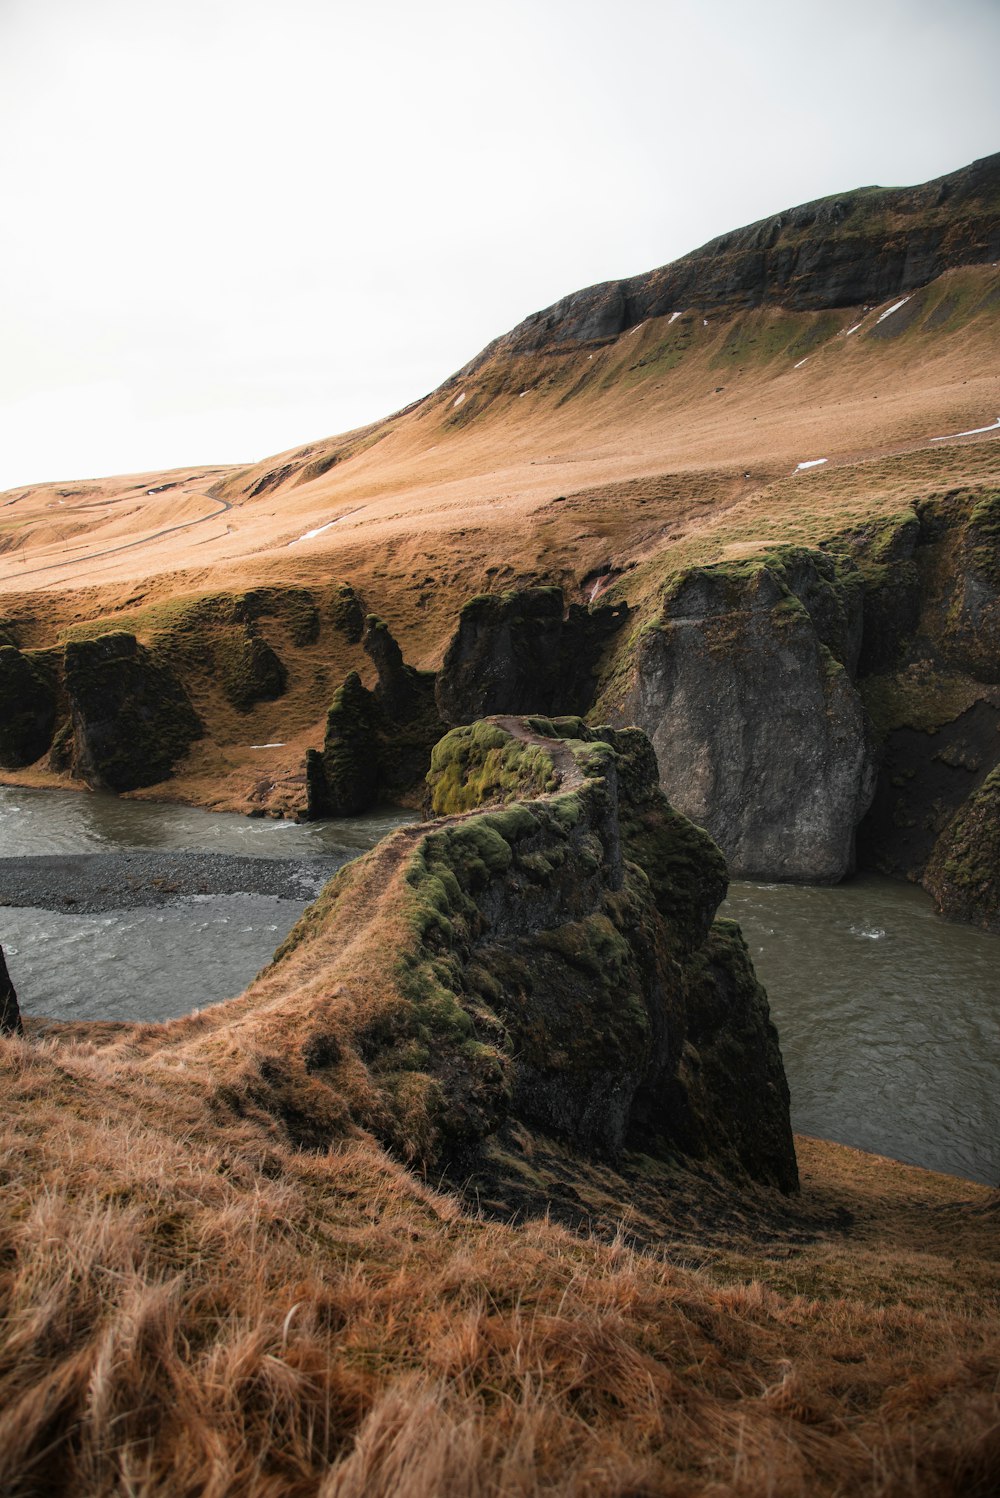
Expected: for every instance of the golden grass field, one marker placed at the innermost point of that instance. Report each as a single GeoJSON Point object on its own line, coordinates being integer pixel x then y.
{"type": "Point", "coordinates": [193, 1306]}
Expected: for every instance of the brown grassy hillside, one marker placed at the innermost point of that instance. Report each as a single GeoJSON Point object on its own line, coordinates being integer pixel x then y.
{"type": "Point", "coordinates": [604, 464]}
{"type": "Point", "coordinates": [214, 1279]}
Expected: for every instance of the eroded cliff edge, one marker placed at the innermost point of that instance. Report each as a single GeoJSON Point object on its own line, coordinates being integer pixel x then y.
{"type": "Point", "coordinates": [545, 956]}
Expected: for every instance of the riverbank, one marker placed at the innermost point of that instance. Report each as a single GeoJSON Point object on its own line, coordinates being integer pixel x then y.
{"type": "Point", "coordinates": [94, 883]}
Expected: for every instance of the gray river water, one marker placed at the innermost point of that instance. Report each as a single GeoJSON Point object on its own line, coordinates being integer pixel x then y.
{"type": "Point", "coordinates": [889, 1017]}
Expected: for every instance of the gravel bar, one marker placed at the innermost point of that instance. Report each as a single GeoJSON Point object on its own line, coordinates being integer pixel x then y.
{"type": "Point", "coordinates": [88, 883]}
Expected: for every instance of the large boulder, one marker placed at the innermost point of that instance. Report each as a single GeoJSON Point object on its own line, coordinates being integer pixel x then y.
{"type": "Point", "coordinates": [132, 719]}
{"type": "Point", "coordinates": [565, 971]}
{"type": "Point", "coordinates": [744, 687]}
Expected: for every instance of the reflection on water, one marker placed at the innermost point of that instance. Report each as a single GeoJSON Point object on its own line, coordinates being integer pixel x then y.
{"type": "Point", "coordinates": [889, 1018]}
{"type": "Point", "coordinates": [152, 964]}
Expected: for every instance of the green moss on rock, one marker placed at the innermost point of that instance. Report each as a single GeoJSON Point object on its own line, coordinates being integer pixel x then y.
{"type": "Point", "coordinates": [342, 779]}
{"type": "Point", "coordinates": [248, 669]}
{"type": "Point", "coordinates": [483, 764]}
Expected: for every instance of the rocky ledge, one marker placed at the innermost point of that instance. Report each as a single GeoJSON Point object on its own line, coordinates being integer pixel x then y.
{"type": "Point", "coordinates": [543, 956]}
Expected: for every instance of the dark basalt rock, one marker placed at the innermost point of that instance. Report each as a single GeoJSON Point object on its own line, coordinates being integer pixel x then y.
{"type": "Point", "coordinates": [524, 652]}
{"type": "Point", "coordinates": [930, 674]}
{"type": "Point", "coordinates": [342, 779]}
{"type": "Point", "coordinates": [27, 708]}
{"type": "Point", "coordinates": [963, 872]}
{"type": "Point", "coordinates": [10, 1014]}
{"type": "Point", "coordinates": [744, 688]}
{"type": "Point", "coordinates": [856, 248]}
{"type": "Point", "coordinates": [377, 744]}
{"type": "Point", "coordinates": [566, 973]}
{"type": "Point", "coordinates": [132, 719]}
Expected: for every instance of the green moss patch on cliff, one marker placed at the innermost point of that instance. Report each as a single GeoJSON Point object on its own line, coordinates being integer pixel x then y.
{"type": "Point", "coordinates": [248, 669]}
{"type": "Point", "coordinates": [476, 766]}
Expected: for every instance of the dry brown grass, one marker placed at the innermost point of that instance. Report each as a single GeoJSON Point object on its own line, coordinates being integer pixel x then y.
{"type": "Point", "coordinates": [191, 1305]}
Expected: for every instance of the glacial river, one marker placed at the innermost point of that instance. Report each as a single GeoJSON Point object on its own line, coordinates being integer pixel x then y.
{"type": "Point", "coordinates": [889, 1017]}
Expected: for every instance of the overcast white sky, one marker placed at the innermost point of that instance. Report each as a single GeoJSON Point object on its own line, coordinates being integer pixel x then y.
{"type": "Point", "coordinates": [231, 226]}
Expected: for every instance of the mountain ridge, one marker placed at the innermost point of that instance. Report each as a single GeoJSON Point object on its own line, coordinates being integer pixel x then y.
{"type": "Point", "coordinates": [764, 259]}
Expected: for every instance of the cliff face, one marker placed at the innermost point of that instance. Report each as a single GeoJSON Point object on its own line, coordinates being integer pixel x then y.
{"type": "Point", "coordinates": [858, 247]}
{"type": "Point", "coordinates": [524, 652]}
{"type": "Point", "coordinates": [132, 719]}
{"type": "Point", "coordinates": [745, 688]}
{"type": "Point", "coordinates": [27, 708]}
{"type": "Point", "coordinates": [931, 679]}
{"type": "Point", "coordinates": [558, 967]}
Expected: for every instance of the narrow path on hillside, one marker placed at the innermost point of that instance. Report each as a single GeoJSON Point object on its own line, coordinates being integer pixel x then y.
{"type": "Point", "coordinates": [570, 774]}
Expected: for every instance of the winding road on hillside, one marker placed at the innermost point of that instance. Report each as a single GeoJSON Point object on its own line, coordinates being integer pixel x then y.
{"type": "Point", "coordinates": [93, 556]}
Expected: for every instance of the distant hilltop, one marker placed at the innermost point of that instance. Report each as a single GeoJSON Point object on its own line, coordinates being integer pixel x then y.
{"type": "Point", "coordinates": [842, 251]}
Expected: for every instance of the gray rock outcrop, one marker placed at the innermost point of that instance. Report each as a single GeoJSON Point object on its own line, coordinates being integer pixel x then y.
{"type": "Point", "coordinates": [744, 687]}
{"type": "Point", "coordinates": [557, 967]}
{"type": "Point", "coordinates": [857, 247]}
